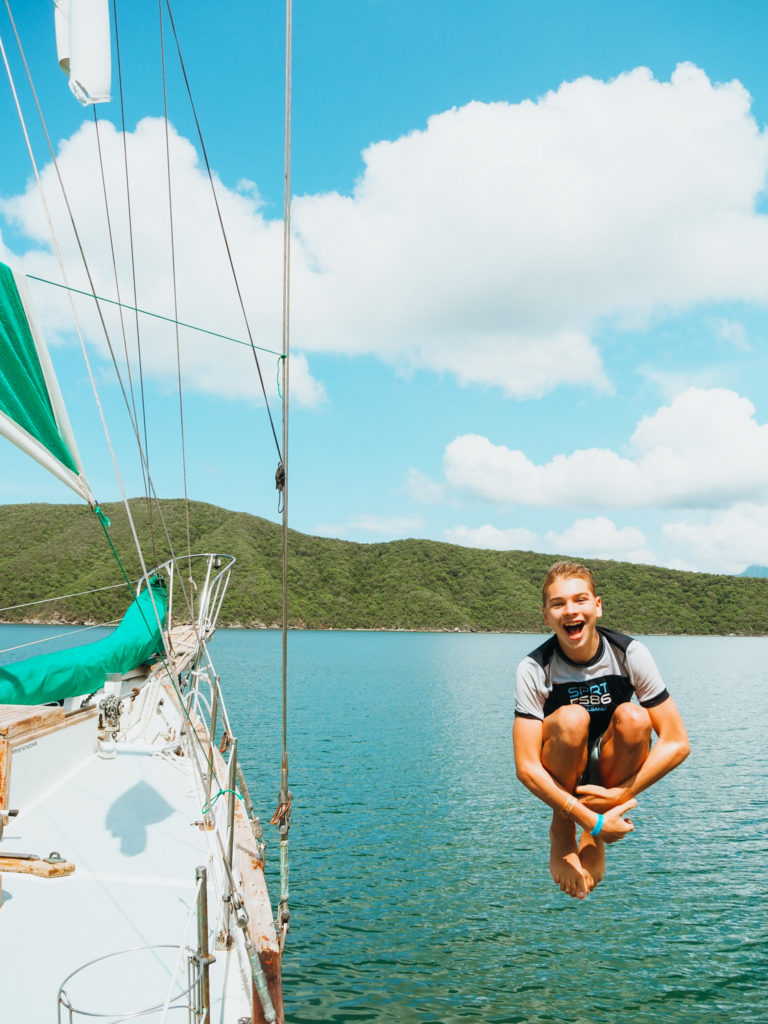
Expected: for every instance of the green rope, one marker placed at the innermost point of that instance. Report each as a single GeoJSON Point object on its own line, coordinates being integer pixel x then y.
{"type": "Point", "coordinates": [279, 359]}
{"type": "Point", "coordinates": [208, 805]}
{"type": "Point", "coordinates": [103, 519]}
{"type": "Point", "coordinates": [105, 523]}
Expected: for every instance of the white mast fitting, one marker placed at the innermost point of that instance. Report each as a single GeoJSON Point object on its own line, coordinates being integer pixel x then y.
{"type": "Point", "coordinates": [83, 47]}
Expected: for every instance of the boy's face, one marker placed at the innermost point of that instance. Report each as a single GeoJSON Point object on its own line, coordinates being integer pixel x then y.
{"type": "Point", "coordinates": [572, 611]}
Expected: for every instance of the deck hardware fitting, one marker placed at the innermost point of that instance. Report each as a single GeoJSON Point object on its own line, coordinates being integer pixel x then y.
{"type": "Point", "coordinates": [4, 819]}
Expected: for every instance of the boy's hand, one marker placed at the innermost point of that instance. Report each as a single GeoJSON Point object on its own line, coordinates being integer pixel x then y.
{"type": "Point", "coordinates": [600, 799]}
{"type": "Point", "coordinates": [615, 825]}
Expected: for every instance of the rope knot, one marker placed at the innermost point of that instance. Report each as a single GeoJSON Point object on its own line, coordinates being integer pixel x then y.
{"type": "Point", "coordinates": [208, 805]}
{"type": "Point", "coordinates": [101, 516]}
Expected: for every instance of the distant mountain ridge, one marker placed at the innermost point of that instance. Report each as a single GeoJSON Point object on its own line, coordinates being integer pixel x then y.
{"type": "Point", "coordinates": [756, 571]}
{"type": "Point", "coordinates": [48, 550]}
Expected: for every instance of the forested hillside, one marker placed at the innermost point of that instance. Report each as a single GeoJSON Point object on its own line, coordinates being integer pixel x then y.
{"type": "Point", "coordinates": [51, 550]}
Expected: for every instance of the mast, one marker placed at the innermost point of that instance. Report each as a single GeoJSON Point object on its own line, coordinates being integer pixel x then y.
{"type": "Point", "coordinates": [282, 816]}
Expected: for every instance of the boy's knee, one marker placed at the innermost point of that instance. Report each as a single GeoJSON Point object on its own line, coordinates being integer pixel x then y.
{"type": "Point", "coordinates": [569, 725]}
{"type": "Point", "coordinates": [632, 723]}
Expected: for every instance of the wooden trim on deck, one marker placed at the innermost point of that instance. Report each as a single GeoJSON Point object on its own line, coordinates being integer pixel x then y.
{"type": "Point", "coordinates": [5, 771]}
{"type": "Point", "coordinates": [27, 735]}
{"type": "Point", "coordinates": [38, 867]}
{"type": "Point", "coordinates": [16, 719]}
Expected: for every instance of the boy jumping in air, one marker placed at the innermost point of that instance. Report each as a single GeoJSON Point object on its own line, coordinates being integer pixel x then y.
{"type": "Point", "coordinates": [581, 744]}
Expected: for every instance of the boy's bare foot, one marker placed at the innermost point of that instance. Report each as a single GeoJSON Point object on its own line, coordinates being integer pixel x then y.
{"type": "Point", "coordinates": [592, 857]}
{"type": "Point", "coordinates": [564, 862]}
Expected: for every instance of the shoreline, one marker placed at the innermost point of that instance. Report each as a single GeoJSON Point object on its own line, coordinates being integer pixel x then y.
{"type": "Point", "coordinates": [443, 630]}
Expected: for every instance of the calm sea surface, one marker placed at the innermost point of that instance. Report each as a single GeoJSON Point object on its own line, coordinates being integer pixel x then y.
{"type": "Point", "coordinates": [420, 888]}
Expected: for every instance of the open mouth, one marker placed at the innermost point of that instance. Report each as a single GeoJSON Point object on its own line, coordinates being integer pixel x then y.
{"type": "Point", "coordinates": [574, 629]}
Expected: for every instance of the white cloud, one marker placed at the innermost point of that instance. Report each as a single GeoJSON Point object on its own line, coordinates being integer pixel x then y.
{"type": "Point", "coordinates": [490, 537]}
{"type": "Point", "coordinates": [727, 541]}
{"type": "Point", "coordinates": [380, 526]}
{"type": "Point", "coordinates": [595, 538]}
{"type": "Point", "coordinates": [671, 383]}
{"type": "Point", "coordinates": [424, 490]}
{"type": "Point", "coordinates": [732, 332]}
{"type": "Point", "coordinates": [601, 538]}
{"type": "Point", "coordinates": [490, 244]}
{"type": "Point", "coordinates": [704, 449]}
{"type": "Point", "coordinates": [207, 296]}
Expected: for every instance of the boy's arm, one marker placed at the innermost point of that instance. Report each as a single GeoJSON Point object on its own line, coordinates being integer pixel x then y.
{"type": "Point", "coordinates": [671, 749]}
{"type": "Point", "coordinates": [527, 738]}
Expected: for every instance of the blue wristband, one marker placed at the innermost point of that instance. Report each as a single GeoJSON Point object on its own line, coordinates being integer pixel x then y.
{"type": "Point", "coordinates": [598, 825]}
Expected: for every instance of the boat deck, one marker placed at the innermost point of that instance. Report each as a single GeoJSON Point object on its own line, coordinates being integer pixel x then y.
{"type": "Point", "coordinates": [128, 829]}
{"type": "Point", "coordinates": [129, 826]}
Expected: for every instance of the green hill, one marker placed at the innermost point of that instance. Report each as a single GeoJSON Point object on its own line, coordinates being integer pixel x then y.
{"type": "Point", "coordinates": [50, 550]}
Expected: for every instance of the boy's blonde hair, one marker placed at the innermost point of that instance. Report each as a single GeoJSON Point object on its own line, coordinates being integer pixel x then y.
{"type": "Point", "coordinates": [567, 571]}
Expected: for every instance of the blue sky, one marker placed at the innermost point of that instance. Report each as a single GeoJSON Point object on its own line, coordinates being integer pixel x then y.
{"type": "Point", "coordinates": [530, 268]}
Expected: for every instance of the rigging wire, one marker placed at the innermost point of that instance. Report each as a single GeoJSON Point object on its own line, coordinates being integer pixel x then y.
{"type": "Point", "coordinates": [188, 597]}
{"type": "Point", "coordinates": [223, 229]}
{"type": "Point", "coordinates": [142, 449]}
{"type": "Point", "coordinates": [86, 267]}
{"type": "Point", "coordinates": [58, 636]}
{"type": "Point", "coordinates": [104, 522]}
{"type": "Point", "coordinates": [129, 207]}
{"type": "Point", "coordinates": [282, 816]}
{"type": "Point", "coordinates": [62, 597]}
{"type": "Point", "coordinates": [157, 316]}
{"type": "Point", "coordinates": [134, 423]}
{"type": "Point", "coordinates": [175, 301]}
{"type": "Point", "coordinates": [117, 279]}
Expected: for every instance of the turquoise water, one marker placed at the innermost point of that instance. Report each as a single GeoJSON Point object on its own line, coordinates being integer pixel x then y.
{"type": "Point", "coordinates": [419, 881]}
{"type": "Point", "coordinates": [420, 888]}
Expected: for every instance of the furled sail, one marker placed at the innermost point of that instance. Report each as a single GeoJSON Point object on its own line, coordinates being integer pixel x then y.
{"type": "Point", "coordinates": [32, 413]}
{"type": "Point", "coordinates": [80, 670]}
{"type": "Point", "coordinates": [83, 45]}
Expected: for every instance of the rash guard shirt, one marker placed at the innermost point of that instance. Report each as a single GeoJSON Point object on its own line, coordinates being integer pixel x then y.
{"type": "Point", "coordinates": [622, 666]}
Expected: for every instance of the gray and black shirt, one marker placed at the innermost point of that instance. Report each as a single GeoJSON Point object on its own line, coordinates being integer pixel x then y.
{"type": "Point", "coordinates": [622, 666]}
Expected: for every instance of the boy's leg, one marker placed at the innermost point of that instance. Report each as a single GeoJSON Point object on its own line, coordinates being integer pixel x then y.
{"type": "Point", "coordinates": [564, 755]}
{"type": "Point", "coordinates": [623, 748]}
{"type": "Point", "coordinates": [625, 745]}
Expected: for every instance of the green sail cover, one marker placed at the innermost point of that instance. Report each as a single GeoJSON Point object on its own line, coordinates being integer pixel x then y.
{"type": "Point", "coordinates": [83, 670]}
{"type": "Point", "coordinates": [23, 391]}
{"type": "Point", "coordinates": [32, 413]}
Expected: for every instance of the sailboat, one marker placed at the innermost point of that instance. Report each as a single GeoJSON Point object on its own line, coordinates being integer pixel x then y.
{"type": "Point", "coordinates": [132, 862]}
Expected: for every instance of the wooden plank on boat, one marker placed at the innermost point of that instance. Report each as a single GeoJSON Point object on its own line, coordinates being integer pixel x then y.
{"type": "Point", "coordinates": [183, 646]}
{"type": "Point", "coordinates": [17, 719]}
{"type": "Point", "coordinates": [5, 771]}
{"type": "Point", "coordinates": [53, 724]}
{"type": "Point", "coordinates": [37, 866]}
